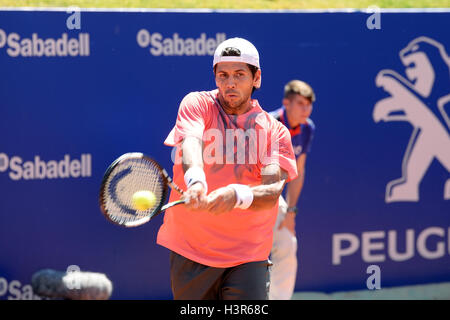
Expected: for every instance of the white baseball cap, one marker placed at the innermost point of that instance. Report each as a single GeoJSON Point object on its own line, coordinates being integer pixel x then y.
{"type": "Point", "coordinates": [248, 52]}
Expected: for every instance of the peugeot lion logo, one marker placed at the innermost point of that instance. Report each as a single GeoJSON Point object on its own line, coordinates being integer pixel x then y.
{"type": "Point", "coordinates": [420, 99]}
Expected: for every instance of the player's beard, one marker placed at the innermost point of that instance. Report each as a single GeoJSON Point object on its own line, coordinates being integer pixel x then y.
{"type": "Point", "coordinates": [236, 106]}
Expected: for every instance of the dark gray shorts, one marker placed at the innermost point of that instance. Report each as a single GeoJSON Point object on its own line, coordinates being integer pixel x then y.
{"type": "Point", "coordinates": [194, 281]}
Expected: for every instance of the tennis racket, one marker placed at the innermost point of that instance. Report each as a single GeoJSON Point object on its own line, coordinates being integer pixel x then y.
{"type": "Point", "coordinates": [128, 174]}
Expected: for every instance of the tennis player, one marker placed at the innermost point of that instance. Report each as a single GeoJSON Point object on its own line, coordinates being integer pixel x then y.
{"type": "Point", "coordinates": [221, 239]}
{"type": "Point", "coordinates": [294, 114]}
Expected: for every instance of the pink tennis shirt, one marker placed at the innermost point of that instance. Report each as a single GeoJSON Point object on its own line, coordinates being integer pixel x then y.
{"type": "Point", "coordinates": [235, 149]}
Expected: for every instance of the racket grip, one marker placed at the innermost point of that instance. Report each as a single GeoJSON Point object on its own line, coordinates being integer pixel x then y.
{"type": "Point", "coordinates": [171, 183]}
{"type": "Point", "coordinates": [171, 204]}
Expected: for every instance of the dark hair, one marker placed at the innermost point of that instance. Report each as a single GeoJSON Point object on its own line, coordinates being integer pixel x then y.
{"type": "Point", "coordinates": [230, 52]}
{"type": "Point", "coordinates": [235, 52]}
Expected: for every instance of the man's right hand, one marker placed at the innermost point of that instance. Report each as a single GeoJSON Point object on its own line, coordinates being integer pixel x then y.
{"type": "Point", "coordinates": [195, 197]}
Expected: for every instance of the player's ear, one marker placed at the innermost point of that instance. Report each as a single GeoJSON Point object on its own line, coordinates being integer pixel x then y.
{"type": "Point", "coordinates": [257, 79]}
{"type": "Point", "coordinates": [286, 102]}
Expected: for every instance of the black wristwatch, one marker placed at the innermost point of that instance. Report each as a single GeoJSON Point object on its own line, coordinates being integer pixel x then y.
{"type": "Point", "coordinates": [292, 209]}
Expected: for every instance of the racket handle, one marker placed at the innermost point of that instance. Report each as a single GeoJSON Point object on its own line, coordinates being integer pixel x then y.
{"type": "Point", "coordinates": [171, 204]}
{"type": "Point", "coordinates": [171, 183]}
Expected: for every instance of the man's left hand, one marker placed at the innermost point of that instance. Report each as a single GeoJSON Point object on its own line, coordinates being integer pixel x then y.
{"type": "Point", "coordinates": [289, 222]}
{"type": "Point", "coordinates": [221, 200]}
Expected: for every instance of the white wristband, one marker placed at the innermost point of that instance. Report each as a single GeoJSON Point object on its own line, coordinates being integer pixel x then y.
{"type": "Point", "coordinates": [244, 195]}
{"type": "Point", "coordinates": [193, 175]}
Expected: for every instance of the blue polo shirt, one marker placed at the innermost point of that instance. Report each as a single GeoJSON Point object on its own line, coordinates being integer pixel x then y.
{"type": "Point", "coordinates": [301, 135]}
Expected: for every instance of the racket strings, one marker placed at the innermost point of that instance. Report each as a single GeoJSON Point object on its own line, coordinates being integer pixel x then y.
{"type": "Point", "coordinates": [128, 177]}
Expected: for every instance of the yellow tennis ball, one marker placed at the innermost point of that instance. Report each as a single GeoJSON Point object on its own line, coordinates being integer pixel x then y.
{"type": "Point", "coordinates": [143, 200]}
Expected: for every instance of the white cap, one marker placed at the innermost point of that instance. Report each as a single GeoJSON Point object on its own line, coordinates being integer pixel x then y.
{"type": "Point", "coordinates": [249, 54]}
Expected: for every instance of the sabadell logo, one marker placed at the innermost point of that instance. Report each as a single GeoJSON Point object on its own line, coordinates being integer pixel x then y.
{"type": "Point", "coordinates": [36, 46]}
{"type": "Point", "coordinates": [18, 169]}
{"type": "Point", "coordinates": [178, 46]}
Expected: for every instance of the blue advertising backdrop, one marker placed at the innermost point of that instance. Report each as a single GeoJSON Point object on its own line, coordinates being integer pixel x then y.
{"type": "Point", "coordinates": [72, 100]}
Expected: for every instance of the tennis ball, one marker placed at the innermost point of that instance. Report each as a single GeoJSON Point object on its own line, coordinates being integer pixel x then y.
{"type": "Point", "coordinates": [143, 200]}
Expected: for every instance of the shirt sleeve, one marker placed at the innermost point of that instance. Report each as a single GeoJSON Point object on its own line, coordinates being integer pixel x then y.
{"type": "Point", "coordinates": [191, 120]}
{"type": "Point", "coordinates": [281, 152]}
